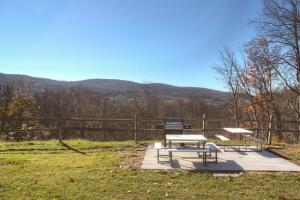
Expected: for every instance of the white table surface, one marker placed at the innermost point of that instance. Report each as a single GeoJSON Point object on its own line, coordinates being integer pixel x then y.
{"type": "Point", "coordinates": [238, 130]}
{"type": "Point", "coordinates": [185, 137]}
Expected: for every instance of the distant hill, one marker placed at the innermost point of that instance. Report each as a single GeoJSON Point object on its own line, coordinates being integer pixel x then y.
{"type": "Point", "coordinates": [118, 88]}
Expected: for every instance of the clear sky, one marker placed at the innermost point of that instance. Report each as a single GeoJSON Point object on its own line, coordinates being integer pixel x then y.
{"type": "Point", "coordinates": [169, 41]}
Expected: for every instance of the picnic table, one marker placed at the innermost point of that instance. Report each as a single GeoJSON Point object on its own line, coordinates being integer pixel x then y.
{"type": "Point", "coordinates": [186, 138]}
{"type": "Point", "coordinates": [238, 132]}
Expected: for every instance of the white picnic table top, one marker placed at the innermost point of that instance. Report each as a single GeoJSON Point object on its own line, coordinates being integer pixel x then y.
{"type": "Point", "coordinates": [185, 137]}
{"type": "Point", "coordinates": [238, 130]}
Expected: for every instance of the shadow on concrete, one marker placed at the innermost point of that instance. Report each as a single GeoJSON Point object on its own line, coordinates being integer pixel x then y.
{"type": "Point", "coordinates": [268, 154]}
{"type": "Point", "coordinates": [244, 153]}
{"type": "Point", "coordinates": [175, 164]}
{"type": "Point", "coordinates": [226, 165]}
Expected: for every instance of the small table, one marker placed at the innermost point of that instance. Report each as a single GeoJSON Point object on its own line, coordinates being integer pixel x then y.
{"type": "Point", "coordinates": [186, 138]}
{"type": "Point", "coordinates": [238, 132]}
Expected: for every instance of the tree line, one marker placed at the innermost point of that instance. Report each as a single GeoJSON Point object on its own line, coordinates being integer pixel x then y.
{"type": "Point", "coordinates": [20, 106]}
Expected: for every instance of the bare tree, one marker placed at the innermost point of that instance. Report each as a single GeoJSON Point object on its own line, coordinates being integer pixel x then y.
{"type": "Point", "coordinates": [228, 73]}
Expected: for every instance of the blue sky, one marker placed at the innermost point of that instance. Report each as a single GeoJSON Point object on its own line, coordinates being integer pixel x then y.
{"type": "Point", "coordinates": [169, 41]}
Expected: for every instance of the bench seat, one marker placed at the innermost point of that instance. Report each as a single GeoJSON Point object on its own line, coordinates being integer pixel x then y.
{"type": "Point", "coordinates": [224, 140]}
{"type": "Point", "coordinates": [213, 148]}
{"type": "Point", "coordinates": [187, 141]}
{"type": "Point", "coordinates": [188, 150]}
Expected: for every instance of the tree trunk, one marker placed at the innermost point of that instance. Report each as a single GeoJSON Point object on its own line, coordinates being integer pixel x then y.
{"type": "Point", "coordinates": [298, 107]}
{"type": "Point", "coordinates": [269, 141]}
{"type": "Point", "coordinates": [235, 111]}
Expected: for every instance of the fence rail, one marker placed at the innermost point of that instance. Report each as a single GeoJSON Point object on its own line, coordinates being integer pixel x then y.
{"type": "Point", "coordinates": [137, 126]}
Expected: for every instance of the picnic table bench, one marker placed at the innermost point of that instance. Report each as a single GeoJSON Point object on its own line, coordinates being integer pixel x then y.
{"type": "Point", "coordinates": [224, 140]}
{"type": "Point", "coordinates": [213, 148]}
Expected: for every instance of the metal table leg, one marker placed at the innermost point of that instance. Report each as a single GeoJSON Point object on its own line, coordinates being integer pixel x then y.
{"type": "Point", "coordinates": [165, 139]}
{"type": "Point", "coordinates": [239, 141]}
{"type": "Point", "coordinates": [204, 158]}
{"type": "Point", "coordinates": [170, 155]}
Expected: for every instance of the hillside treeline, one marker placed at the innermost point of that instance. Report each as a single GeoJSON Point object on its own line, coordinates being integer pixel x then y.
{"type": "Point", "coordinates": [20, 108]}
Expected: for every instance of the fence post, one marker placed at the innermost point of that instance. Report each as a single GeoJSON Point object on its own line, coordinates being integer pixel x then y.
{"type": "Point", "coordinates": [58, 128]}
{"type": "Point", "coordinates": [203, 123]}
{"type": "Point", "coordinates": [59, 134]}
{"type": "Point", "coordinates": [269, 130]}
{"type": "Point", "coordinates": [135, 128]}
{"type": "Point", "coordinates": [257, 129]}
{"type": "Point", "coordinates": [236, 121]}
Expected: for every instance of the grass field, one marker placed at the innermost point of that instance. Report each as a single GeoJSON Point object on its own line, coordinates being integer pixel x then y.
{"type": "Point", "coordinates": [291, 151]}
{"type": "Point", "coordinates": [48, 170]}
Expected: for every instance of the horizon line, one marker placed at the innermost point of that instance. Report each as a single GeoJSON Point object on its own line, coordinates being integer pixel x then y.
{"type": "Point", "coordinates": [146, 82]}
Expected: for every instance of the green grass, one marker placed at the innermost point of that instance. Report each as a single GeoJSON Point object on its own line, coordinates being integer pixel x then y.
{"type": "Point", "coordinates": [47, 170]}
{"type": "Point", "coordinates": [292, 151]}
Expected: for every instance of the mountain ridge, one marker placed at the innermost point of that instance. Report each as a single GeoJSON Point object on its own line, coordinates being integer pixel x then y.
{"type": "Point", "coordinates": [118, 88]}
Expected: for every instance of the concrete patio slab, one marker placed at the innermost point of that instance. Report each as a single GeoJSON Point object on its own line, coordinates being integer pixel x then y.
{"type": "Point", "coordinates": [227, 162]}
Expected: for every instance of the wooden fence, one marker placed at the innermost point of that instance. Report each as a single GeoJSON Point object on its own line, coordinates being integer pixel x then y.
{"type": "Point", "coordinates": [139, 128]}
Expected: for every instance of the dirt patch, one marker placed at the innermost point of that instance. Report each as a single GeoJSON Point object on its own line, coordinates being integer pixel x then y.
{"type": "Point", "coordinates": [134, 158]}
{"type": "Point", "coordinates": [292, 150]}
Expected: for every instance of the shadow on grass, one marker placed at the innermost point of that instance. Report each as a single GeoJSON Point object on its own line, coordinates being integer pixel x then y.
{"type": "Point", "coordinates": [27, 153]}
{"type": "Point", "coordinates": [71, 148]}
{"type": "Point", "coordinates": [49, 150]}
